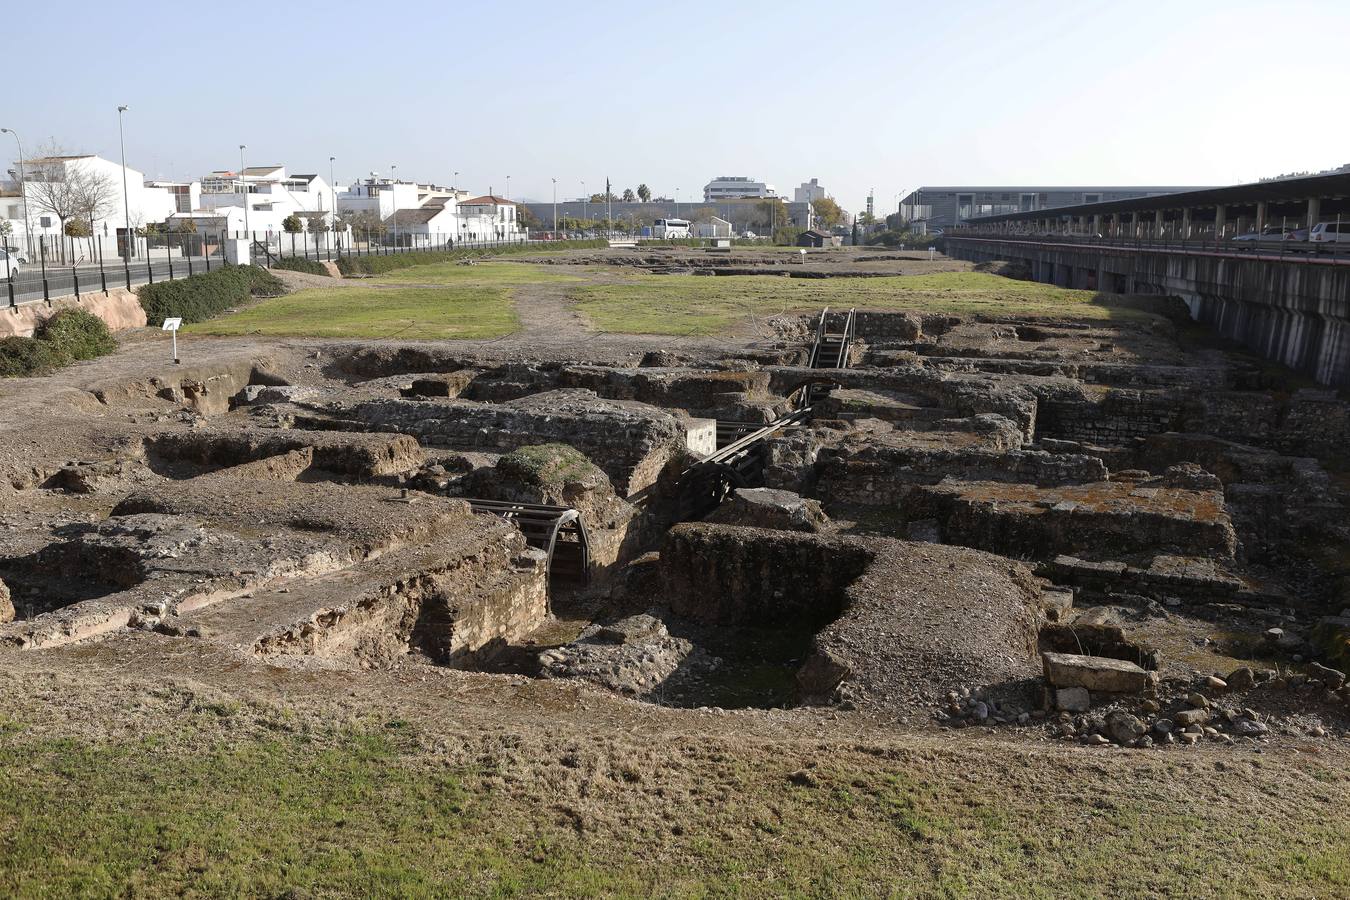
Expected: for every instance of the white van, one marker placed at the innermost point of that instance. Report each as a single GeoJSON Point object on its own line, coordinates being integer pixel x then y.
{"type": "Point", "coordinates": [1330, 233]}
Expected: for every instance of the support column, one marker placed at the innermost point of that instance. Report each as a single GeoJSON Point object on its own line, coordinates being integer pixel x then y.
{"type": "Point", "coordinates": [1157, 224]}
{"type": "Point", "coordinates": [1220, 221]}
{"type": "Point", "coordinates": [1314, 210]}
{"type": "Point", "coordinates": [1260, 216]}
{"type": "Point", "coordinates": [1186, 223]}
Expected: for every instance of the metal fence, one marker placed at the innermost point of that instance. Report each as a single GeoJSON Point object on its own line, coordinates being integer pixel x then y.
{"type": "Point", "coordinates": [55, 269]}
{"type": "Point", "coordinates": [1274, 247]}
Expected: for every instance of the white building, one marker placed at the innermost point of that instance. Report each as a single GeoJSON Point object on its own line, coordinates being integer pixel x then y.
{"type": "Point", "coordinates": [385, 196]}
{"type": "Point", "coordinates": [808, 192]}
{"type": "Point", "coordinates": [270, 196]}
{"type": "Point", "coordinates": [436, 222]}
{"type": "Point", "coordinates": [713, 228]}
{"type": "Point", "coordinates": [489, 218]}
{"type": "Point", "coordinates": [731, 187]}
{"type": "Point", "coordinates": [80, 206]}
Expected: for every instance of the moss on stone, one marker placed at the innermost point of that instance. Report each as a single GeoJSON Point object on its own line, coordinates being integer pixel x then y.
{"type": "Point", "coordinates": [547, 464]}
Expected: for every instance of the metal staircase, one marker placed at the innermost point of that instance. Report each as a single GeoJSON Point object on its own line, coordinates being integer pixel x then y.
{"type": "Point", "coordinates": [831, 349]}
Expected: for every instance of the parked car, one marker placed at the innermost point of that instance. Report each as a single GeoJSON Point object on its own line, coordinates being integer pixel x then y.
{"type": "Point", "coordinates": [11, 264]}
{"type": "Point", "coordinates": [1269, 233]}
{"type": "Point", "coordinates": [1330, 233]}
{"type": "Point", "coordinates": [18, 254]}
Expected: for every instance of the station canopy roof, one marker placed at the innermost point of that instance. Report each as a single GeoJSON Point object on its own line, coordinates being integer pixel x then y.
{"type": "Point", "coordinates": [1282, 190]}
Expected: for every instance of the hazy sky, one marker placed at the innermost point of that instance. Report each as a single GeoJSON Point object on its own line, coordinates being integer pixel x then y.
{"type": "Point", "coordinates": [885, 95]}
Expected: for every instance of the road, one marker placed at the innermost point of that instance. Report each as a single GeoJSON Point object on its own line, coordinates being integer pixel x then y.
{"type": "Point", "coordinates": [27, 285]}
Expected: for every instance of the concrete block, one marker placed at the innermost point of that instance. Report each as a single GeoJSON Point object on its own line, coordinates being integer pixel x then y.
{"type": "Point", "coordinates": [700, 436]}
{"type": "Point", "coordinates": [1096, 673]}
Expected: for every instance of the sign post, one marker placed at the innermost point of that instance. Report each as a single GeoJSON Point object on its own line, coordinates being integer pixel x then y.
{"type": "Point", "coordinates": [172, 326]}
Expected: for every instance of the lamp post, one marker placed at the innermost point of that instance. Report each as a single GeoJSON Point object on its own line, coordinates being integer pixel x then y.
{"type": "Point", "coordinates": [332, 190]}
{"type": "Point", "coordinates": [585, 201]}
{"type": "Point", "coordinates": [23, 191]}
{"type": "Point", "coordinates": [555, 209]}
{"type": "Point", "coordinates": [393, 194]}
{"type": "Point", "coordinates": [126, 201]}
{"type": "Point", "coordinates": [508, 187]}
{"type": "Point", "coordinates": [243, 189]}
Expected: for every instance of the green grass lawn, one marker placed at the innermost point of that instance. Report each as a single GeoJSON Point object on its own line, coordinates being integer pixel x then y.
{"type": "Point", "coordinates": [684, 305]}
{"type": "Point", "coordinates": [374, 813]}
{"type": "Point", "coordinates": [438, 301]}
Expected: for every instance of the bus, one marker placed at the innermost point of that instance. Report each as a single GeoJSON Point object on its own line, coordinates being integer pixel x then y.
{"type": "Point", "coordinates": [671, 228]}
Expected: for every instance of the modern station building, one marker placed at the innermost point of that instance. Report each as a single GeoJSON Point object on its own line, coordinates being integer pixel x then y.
{"type": "Point", "coordinates": [944, 206]}
{"type": "Point", "coordinates": [734, 187]}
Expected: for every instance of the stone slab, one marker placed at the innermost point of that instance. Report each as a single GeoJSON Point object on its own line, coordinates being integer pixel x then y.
{"type": "Point", "coordinates": [1096, 673]}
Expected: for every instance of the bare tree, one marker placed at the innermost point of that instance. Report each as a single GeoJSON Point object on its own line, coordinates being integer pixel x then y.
{"type": "Point", "coordinates": [66, 187]}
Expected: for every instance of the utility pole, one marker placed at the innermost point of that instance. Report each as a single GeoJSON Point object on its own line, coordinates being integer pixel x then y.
{"type": "Point", "coordinates": [609, 206]}
{"type": "Point", "coordinates": [126, 202]}
{"type": "Point", "coordinates": [393, 194]}
{"type": "Point", "coordinates": [555, 209]}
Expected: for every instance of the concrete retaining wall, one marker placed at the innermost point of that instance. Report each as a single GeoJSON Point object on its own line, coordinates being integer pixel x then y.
{"type": "Point", "coordinates": [1294, 311]}
{"type": "Point", "coordinates": [119, 308]}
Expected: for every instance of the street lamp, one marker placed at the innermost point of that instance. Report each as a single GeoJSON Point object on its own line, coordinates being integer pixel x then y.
{"type": "Point", "coordinates": [555, 209]}
{"type": "Point", "coordinates": [508, 187]}
{"type": "Point", "coordinates": [332, 191]}
{"type": "Point", "coordinates": [585, 201]}
{"type": "Point", "coordinates": [23, 191]}
{"type": "Point", "coordinates": [393, 200]}
{"type": "Point", "coordinates": [243, 189]}
{"type": "Point", "coordinates": [126, 201]}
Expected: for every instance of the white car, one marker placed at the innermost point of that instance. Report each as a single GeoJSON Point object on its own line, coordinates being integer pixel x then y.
{"type": "Point", "coordinates": [11, 264]}
{"type": "Point", "coordinates": [1330, 233]}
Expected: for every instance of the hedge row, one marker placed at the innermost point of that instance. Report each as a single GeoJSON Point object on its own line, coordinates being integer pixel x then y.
{"type": "Point", "coordinates": [379, 264]}
{"type": "Point", "coordinates": [200, 297]}
{"type": "Point", "coordinates": [70, 335]}
{"type": "Point", "coordinates": [300, 264]}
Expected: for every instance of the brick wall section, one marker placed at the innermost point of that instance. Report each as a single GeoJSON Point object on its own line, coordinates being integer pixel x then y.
{"type": "Point", "coordinates": [730, 575]}
{"type": "Point", "coordinates": [885, 476]}
{"type": "Point", "coordinates": [632, 443]}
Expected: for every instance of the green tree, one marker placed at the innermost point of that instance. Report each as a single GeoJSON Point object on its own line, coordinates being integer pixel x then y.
{"type": "Point", "coordinates": [528, 220]}
{"type": "Point", "coordinates": [76, 228]}
{"type": "Point", "coordinates": [700, 214]}
{"type": "Point", "coordinates": [317, 223]}
{"type": "Point", "coordinates": [361, 221]}
{"type": "Point", "coordinates": [644, 193]}
{"type": "Point", "coordinates": [628, 195]}
{"type": "Point", "coordinates": [185, 226]}
{"type": "Point", "coordinates": [292, 224]}
{"type": "Point", "coordinates": [828, 213]}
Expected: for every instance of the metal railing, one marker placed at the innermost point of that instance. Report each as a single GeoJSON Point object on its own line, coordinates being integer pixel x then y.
{"type": "Point", "coordinates": [1207, 244]}
{"type": "Point", "coordinates": [166, 256]}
